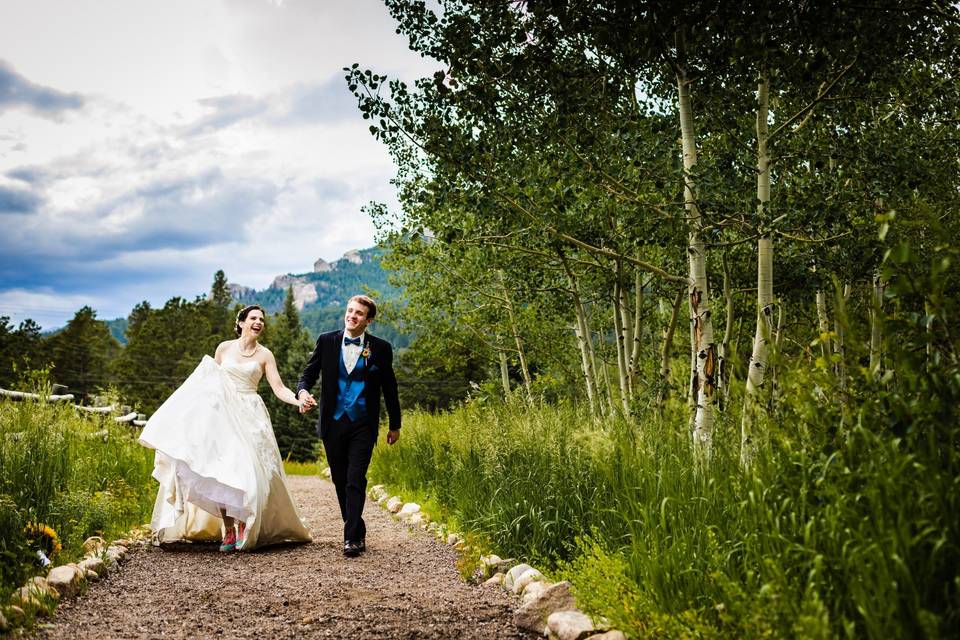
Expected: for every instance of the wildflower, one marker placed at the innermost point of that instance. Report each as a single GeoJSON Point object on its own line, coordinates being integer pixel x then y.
{"type": "Point", "coordinates": [43, 538]}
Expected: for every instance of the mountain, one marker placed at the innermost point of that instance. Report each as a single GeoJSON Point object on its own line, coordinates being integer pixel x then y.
{"type": "Point", "coordinates": [328, 285]}
{"type": "Point", "coordinates": [321, 295]}
{"type": "Point", "coordinates": [118, 329]}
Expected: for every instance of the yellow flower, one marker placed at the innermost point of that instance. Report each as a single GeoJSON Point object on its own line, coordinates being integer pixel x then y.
{"type": "Point", "coordinates": [44, 537]}
{"type": "Point", "coordinates": [366, 352]}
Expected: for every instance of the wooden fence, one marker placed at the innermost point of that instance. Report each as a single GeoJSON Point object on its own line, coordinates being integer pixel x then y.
{"type": "Point", "coordinates": [129, 416]}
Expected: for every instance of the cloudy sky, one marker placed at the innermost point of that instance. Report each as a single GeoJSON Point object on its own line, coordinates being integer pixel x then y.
{"type": "Point", "coordinates": [144, 144]}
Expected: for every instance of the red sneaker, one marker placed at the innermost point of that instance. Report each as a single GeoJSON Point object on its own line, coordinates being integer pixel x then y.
{"type": "Point", "coordinates": [229, 541]}
{"type": "Point", "coordinates": [241, 534]}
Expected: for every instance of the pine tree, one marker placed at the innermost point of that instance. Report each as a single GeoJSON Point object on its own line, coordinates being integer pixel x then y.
{"type": "Point", "coordinates": [291, 346]}
{"type": "Point", "coordinates": [82, 352]}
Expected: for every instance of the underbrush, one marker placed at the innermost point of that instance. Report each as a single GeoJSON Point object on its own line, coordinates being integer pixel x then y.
{"type": "Point", "coordinates": [65, 476]}
{"type": "Point", "coordinates": [839, 529]}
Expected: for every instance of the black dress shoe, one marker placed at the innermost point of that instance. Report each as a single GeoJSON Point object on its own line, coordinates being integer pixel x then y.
{"type": "Point", "coordinates": [352, 549]}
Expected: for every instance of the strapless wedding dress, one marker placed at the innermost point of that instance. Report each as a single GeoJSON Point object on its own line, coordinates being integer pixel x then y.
{"type": "Point", "coordinates": [215, 449]}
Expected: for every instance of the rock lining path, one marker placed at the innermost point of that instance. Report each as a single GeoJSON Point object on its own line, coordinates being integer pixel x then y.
{"type": "Point", "coordinates": [405, 586]}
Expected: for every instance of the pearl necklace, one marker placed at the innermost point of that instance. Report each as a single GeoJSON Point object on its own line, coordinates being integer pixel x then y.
{"type": "Point", "coordinates": [247, 355]}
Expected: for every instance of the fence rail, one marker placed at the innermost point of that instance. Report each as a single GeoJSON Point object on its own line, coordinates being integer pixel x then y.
{"type": "Point", "coordinates": [23, 395]}
{"type": "Point", "coordinates": [131, 417]}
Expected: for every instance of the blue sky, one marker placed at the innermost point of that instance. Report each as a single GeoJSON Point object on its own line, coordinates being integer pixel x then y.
{"type": "Point", "coordinates": [146, 144]}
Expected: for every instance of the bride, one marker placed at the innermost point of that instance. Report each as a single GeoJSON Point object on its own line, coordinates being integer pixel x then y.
{"type": "Point", "coordinates": [216, 458]}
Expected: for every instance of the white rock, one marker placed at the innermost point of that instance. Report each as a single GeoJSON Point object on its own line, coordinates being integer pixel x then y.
{"type": "Point", "coordinates": [453, 539]}
{"type": "Point", "coordinates": [91, 576]}
{"type": "Point", "coordinates": [495, 580]}
{"type": "Point", "coordinates": [28, 597]}
{"type": "Point", "coordinates": [41, 583]}
{"type": "Point", "coordinates": [117, 554]}
{"type": "Point", "coordinates": [526, 578]}
{"type": "Point", "coordinates": [378, 491]}
{"type": "Point", "coordinates": [123, 542]}
{"type": "Point", "coordinates": [94, 544]}
{"type": "Point", "coordinates": [66, 579]}
{"type": "Point", "coordinates": [533, 591]}
{"type": "Point", "coordinates": [394, 504]}
{"type": "Point", "coordinates": [533, 615]}
{"type": "Point", "coordinates": [16, 615]}
{"type": "Point", "coordinates": [417, 520]}
{"type": "Point", "coordinates": [515, 573]}
{"type": "Point", "coordinates": [570, 625]}
{"type": "Point", "coordinates": [410, 508]}
{"type": "Point", "coordinates": [489, 564]}
{"type": "Point", "coordinates": [95, 564]}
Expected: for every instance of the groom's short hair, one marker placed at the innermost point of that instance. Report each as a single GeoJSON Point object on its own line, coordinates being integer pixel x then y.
{"type": "Point", "coordinates": [368, 302]}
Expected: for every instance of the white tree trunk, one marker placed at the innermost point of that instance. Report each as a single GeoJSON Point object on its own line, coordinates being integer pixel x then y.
{"type": "Point", "coordinates": [876, 326]}
{"type": "Point", "coordinates": [723, 381]}
{"type": "Point", "coordinates": [638, 299]}
{"type": "Point", "coordinates": [704, 358]}
{"type": "Point", "coordinates": [823, 324]}
{"type": "Point", "coordinates": [515, 330]}
{"type": "Point", "coordinates": [621, 356]}
{"type": "Point", "coordinates": [504, 373]}
{"type": "Point", "coordinates": [626, 330]}
{"type": "Point", "coordinates": [756, 372]}
{"type": "Point", "coordinates": [582, 330]}
{"type": "Point", "coordinates": [666, 348]}
{"type": "Point", "coordinates": [839, 347]}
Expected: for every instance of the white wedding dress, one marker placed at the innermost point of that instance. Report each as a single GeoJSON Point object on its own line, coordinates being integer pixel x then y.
{"type": "Point", "coordinates": [215, 449]}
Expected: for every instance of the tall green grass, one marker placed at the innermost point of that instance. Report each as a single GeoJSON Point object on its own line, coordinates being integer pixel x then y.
{"type": "Point", "coordinates": [839, 530]}
{"type": "Point", "coordinates": [82, 475]}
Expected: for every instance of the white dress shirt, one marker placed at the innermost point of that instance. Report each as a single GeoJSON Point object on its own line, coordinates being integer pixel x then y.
{"type": "Point", "coordinates": [351, 352]}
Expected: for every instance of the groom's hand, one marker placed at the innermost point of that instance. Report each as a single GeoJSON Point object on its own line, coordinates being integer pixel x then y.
{"type": "Point", "coordinates": [307, 401]}
{"type": "Point", "coordinates": [393, 435]}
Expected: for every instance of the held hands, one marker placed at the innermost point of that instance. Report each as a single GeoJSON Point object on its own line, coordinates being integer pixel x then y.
{"type": "Point", "coordinates": [306, 401]}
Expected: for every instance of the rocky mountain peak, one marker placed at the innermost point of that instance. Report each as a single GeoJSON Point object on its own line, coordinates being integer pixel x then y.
{"type": "Point", "coordinates": [352, 256]}
{"type": "Point", "coordinates": [239, 291]}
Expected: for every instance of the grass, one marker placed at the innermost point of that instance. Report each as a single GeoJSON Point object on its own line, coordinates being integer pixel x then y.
{"type": "Point", "coordinates": [295, 468]}
{"type": "Point", "coordinates": [851, 535]}
{"type": "Point", "coordinates": [79, 474]}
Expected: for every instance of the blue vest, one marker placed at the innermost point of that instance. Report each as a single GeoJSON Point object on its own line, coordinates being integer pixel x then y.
{"type": "Point", "coordinates": [350, 400]}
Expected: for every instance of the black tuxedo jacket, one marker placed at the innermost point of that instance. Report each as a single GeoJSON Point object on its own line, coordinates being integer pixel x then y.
{"type": "Point", "coordinates": [378, 376]}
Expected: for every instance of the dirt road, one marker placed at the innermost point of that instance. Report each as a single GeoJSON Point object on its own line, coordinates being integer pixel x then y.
{"type": "Point", "coordinates": [404, 586]}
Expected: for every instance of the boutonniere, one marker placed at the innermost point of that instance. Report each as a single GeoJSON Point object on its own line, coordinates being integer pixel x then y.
{"type": "Point", "coordinates": [366, 350]}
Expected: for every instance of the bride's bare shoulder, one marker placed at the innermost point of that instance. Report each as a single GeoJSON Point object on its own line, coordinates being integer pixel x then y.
{"type": "Point", "coordinates": [222, 347]}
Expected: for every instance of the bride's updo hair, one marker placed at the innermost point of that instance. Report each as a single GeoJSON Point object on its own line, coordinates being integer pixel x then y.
{"type": "Point", "coordinates": [243, 313]}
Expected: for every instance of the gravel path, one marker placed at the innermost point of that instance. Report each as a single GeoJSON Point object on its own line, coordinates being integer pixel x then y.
{"type": "Point", "coordinates": [404, 586]}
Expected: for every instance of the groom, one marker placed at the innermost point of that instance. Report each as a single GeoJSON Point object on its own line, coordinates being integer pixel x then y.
{"type": "Point", "coordinates": [354, 368]}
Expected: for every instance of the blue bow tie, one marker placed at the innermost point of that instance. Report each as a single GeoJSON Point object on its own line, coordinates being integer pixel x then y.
{"type": "Point", "coordinates": [355, 341]}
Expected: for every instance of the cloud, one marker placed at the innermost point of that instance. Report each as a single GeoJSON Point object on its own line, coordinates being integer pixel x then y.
{"type": "Point", "coordinates": [75, 246]}
{"type": "Point", "coordinates": [29, 175]}
{"type": "Point", "coordinates": [43, 305]}
{"type": "Point", "coordinates": [328, 101]}
{"type": "Point", "coordinates": [301, 104]}
{"type": "Point", "coordinates": [14, 200]}
{"type": "Point", "coordinates": [17, 91]}
{"type": "Point", "coordinates": [238, 149]}
{"type": "Point", "coordinates": [225, 111]}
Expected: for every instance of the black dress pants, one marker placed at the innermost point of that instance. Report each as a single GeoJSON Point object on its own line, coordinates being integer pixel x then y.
{"type": "Point", "coordinates": [349, 447]}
